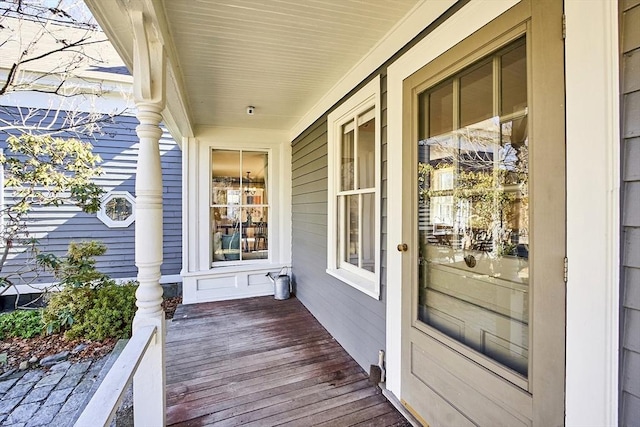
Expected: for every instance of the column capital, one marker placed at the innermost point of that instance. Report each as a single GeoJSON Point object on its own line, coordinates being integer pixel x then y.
{"type": "Point", "coordinates": [149, 63]}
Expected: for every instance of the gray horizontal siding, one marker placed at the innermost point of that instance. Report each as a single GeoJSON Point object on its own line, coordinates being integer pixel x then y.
{"type": "Point", "coordinates": [630, 285]}
{"type": "Point", "coordinates": [118, 147]}
{"type": "Point", "coordinates": [356, 320]}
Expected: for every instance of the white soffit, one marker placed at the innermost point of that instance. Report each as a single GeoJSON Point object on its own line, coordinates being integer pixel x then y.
{"type": "Point", "coordinates": [281, 56]}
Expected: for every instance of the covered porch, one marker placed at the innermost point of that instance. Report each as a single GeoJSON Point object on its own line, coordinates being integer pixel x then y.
{"type": "Point", "coordinates": [264, 362]}
{"type": "Point", "coordinates": [247, 80]}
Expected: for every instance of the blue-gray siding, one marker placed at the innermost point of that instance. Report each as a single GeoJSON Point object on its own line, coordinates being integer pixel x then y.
{"type": "Point", "coordinates": [117, 145]}
{"type": "Point", "coordinates": [356, 320]}
{"type": "Point", "coordinates": [630, 278]}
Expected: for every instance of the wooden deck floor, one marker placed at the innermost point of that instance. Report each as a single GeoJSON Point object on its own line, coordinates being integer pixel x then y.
{"type": "Point", "coordinates": [262, 362]}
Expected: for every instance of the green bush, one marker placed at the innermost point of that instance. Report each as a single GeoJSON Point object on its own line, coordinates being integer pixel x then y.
{"type": "Point", "coordinates": [93, 313]}
{"type": "Point", "coordinates": [78, 268]}
{"type": "Point", "coordinates": [21, 324]}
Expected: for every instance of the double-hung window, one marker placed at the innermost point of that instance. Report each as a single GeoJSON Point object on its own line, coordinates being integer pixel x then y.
{"type": "Point", "coordinates": [354, 190]}
{"type": "Point", "coordinates": [239, 209]}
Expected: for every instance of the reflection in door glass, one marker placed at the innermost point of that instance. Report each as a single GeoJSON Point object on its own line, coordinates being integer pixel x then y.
{"type": "Point", "coordinates": [473, 226]}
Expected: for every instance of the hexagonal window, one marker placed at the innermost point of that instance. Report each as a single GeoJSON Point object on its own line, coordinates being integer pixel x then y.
{"type": "Point", "coordinates": [118, 209]}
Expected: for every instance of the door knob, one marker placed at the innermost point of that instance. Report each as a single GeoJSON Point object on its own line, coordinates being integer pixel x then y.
{"type": "Point", "coordinates": [402, 247]}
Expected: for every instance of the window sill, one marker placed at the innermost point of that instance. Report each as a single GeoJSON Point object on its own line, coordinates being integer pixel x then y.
{"type": "Point", "coordinates": [363, 284]}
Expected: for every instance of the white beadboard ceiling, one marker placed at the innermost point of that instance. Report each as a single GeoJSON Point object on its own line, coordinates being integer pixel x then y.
{"type": "Point", "coordinates": [280, 56]}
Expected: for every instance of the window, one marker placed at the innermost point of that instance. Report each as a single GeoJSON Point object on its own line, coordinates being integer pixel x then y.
{"type": "Point", "coordinates": [118, 209]}
{"type": "Point", "coordinates": [239, 206]}
{"type": "Point", "coordinates": [354, 191]}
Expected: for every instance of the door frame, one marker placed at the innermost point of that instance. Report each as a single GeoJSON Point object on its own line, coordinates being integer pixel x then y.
{"type": "Point", "coordinates": [539, 398]}
{"type": "Point", "coordinates": [592, 286]}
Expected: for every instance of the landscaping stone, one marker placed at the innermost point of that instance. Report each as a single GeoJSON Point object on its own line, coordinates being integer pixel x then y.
{"type": "Point", "coordinates": [7, 383]}
{"type": "Point", "coordinates": [8, 374]}
{"type": "Point", "coordinates": [51, 378]}
{"type": "Point", "coordinates": [63, 419]}
{"type": "Point", "coordinates": [54, 358]}
{"type": "Point", "coordinates": [60, 366]}
{"type": "Point", "coordinates": [37, 394]}
{"type": "Point", "coordinates": [7, 405]}
{"type": "Point", "coordinates": [73, 402]}
{"type": "Point", "coordinates": [33, 360]}
{"type": "Point", "coordinates": [78, 348]}
{"type": "Point", "coordinates": [45, 416]}
{"type": "Point", "coordinates": [32, 376]}
{"type": "Point", "coordinates": [18, 391]}
{"type": "Point", "coordinates": [22, 413]}
{"type": "Point", "coordinates": [79, 368]}
{"type": "Point", "coordinates": [53, 397]}
{"type": "Point", "coordinates": [85, 385]}
{"type": "Point", "coordinates": [24, 365]}
{"type": "Point", "coordinates": [58, 397]}
{"type": "Point", "coordinates": [69, 381]}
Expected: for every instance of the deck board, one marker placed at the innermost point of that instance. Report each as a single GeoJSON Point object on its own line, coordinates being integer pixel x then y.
{"type": "Point", "coordinates": [261, 362]}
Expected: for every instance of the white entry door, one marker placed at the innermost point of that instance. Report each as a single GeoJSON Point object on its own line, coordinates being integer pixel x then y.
{"type": "Point", "coordinates": [483, 304]}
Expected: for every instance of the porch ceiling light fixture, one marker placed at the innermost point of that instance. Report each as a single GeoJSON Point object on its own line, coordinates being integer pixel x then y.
{"type": "Point", "coordinates": [251, 110]}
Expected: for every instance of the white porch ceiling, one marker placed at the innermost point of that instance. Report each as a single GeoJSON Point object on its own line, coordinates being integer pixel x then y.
{"type": "Point", "coordinates": [280, 56]}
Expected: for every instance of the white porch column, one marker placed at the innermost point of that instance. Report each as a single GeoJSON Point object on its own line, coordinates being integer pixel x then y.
{"type": "Point", "coordinates": [149, 93]}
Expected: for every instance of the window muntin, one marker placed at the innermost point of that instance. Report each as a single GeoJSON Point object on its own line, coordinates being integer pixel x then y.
{"type": "Point", "coordinates": [354, 205]}
{"type": "Point", "coordinates": [239, 207]}
{"type": "Point", "coordinates": [473, 208]}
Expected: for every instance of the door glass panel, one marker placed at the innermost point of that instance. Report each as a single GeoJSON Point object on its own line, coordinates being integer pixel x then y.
{"type": "Point", "coordinates": [476, 95]}
{"type": "Point", "coordinates": [473, 229]}
{"type": "Point", "coordinates": [513, 83]}
{"type": "Point", "coordinates": [439, 103]}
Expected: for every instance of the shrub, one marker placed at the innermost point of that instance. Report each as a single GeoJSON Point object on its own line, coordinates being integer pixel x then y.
{"type": "Point", "coordinates": [21, 324]}
{"type": "Point", "coordinates": [92, 313]}
{"type": "Point", "coordinates": [78, 268]}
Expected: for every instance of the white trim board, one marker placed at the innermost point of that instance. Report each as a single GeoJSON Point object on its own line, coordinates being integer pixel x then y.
{"type": "Point", "coordinates": [39, 287]}
{"type": "Point", "coordinates": [593, 184]}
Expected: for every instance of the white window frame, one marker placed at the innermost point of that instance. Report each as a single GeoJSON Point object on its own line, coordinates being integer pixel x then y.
{"type": "Point", "coordinates": [365, 99]}
{"type": "Point", "coordinates": [102, 214]}
{"type": "Point", "coordinates": [269, 206]}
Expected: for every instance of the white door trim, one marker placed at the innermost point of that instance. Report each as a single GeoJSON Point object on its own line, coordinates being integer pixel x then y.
{"type": "Point", "coordinates": [593, 203]}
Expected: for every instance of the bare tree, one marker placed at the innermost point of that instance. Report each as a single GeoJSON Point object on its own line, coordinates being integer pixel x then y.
{"type": "Point", "coordinates": [51, 48]}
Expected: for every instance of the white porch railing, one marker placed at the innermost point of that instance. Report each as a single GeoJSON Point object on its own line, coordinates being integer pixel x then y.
{"type": "Point", "coordinates": [104, 403]}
